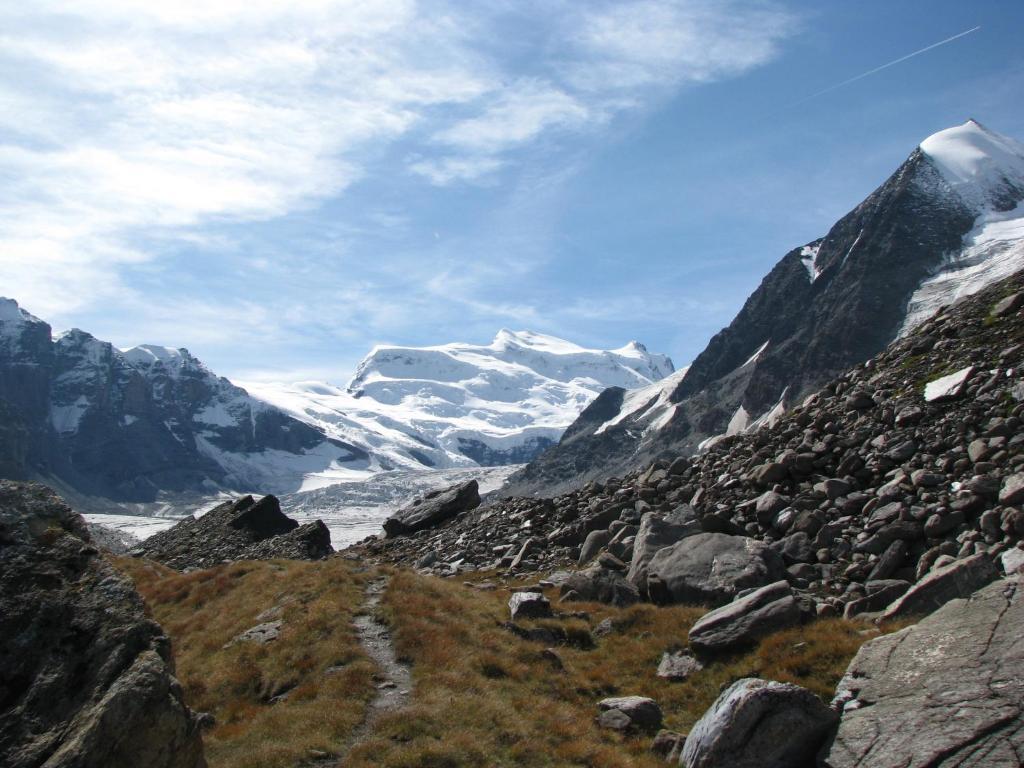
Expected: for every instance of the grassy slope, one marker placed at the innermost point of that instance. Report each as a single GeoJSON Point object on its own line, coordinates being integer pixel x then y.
{"type": "Point", "coordinates": [482, 697]}
{"type": "Point", "coordinates": [485, 697]}
{"type": "Point", "coordinates": [204, 610]}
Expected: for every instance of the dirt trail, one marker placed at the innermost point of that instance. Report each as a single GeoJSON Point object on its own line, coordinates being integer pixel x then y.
{"type": "Point", "coordinates": [393, 678]}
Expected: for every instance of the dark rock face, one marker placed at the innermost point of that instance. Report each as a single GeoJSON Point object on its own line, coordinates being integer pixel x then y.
{"type": "Point", "coordinates": [759, 724]}
{"type": "Point", "coordinates": [486, 456]}
{"type": "Point", "coordinates": [87, 680]}
{"type": "Point", "coordinates": [245, 529]}
{"type": "Point", "coordinates": [127, 427]}
{"type": "Point", "coordinates": [710, 568]}
{"type": "Point", "coordinates": [947, 691]}
{"type": "Point", "coordinates": [792, 335]}
{"type": "Point", "coordinates": [433, 508]}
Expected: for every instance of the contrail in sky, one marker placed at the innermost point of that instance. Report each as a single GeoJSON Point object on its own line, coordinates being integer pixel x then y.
{"type": "Point", "coordinates": [884, 66]}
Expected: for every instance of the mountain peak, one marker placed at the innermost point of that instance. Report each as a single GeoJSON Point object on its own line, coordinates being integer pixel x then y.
{"type": "Point", "coordinates": [11, 312]}
{"type": "Point", "coordinates": [983, 167]}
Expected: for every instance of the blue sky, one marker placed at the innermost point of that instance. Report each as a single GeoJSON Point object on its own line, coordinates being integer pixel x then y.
{"type": "Point", "coordinates": [280, 186]}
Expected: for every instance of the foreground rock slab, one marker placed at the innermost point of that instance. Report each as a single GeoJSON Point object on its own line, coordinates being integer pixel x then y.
{"type": "Point", "coordinates": [86, 679]}
{"type": "Point", "coordinates": [759, 724]}
{"type": "Point", "coordinates": [434, 508]}
{"type": "Point", "coordinates": [948, 691]}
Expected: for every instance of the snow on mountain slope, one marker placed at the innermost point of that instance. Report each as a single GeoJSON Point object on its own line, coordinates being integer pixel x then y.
{"type": "Point", "coordinates": [462, 405]}
{"type": "Point", "coordinates": [985, 171]}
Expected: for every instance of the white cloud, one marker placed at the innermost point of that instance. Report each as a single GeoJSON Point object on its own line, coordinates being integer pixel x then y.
{"type": "Point", "coordinates": [656, 42]}
{"type": "Point", "coordinates": [128, 124]}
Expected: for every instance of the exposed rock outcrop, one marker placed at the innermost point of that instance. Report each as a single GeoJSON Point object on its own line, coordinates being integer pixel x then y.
{"type": "Point", "coordinates": [947, 691]}
{"type": "Point", "coordinates": [87, 681]}
{"type": "Point", "coordinates": [244, 529]}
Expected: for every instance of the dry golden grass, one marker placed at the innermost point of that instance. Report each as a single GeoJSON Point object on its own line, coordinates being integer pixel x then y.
{"type": "Point", "coordinates": [204, 610]}
{"type": "Point", "coordinates": [484, 697]}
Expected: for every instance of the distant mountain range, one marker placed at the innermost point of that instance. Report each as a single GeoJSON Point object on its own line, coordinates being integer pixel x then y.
{"type": "Point", "coordinates": [114, 428]}
{"type": "Point", "coordinates": [948, 222]}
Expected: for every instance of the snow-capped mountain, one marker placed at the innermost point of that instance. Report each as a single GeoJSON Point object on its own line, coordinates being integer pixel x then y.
{"type": "Point", "coordinates": [948, 222]}
{"type": "Point", "coordinates": [143, 424]}
{"type": "Point", "coordinates": [152, 425]}
{"type": "Point", "coordinates": [462, 405]}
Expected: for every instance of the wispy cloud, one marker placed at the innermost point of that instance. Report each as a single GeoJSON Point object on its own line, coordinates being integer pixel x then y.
{"type": "Point", "coordinates": [130, 126]}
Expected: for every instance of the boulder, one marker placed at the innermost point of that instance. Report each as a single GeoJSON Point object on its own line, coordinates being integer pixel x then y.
{"type": "Point", "coordinates": [529, 605]}
{"type": "Point", "coordinates": [87, 679]}
{"type": "Point", "coordinates": [1012, 491]}
{"type": "Point", "coordinates": [746, 619]}
{"type": "Point", "coordinates": [1012, 561]}
{"type": "Point", "coordinates": [957, 579]}
{"type": "Point", "coordinates": [643, 714]}
{"type": "Point", "coordinates": [433, 509]}
{"type": "Point", "coordinates": [880, 594]}
{"type": "Point", "coordinates": [947, 691]}
{"type": "Point", "coordinates": [593, 544]}
{"type": "Point", "coordinates": [656, 532]}
{"type": "Point", "coordinates": [710, 568]}
{"type": "Point", "coordinates": [668, 745]}
{"type": "Point", "coordinates": [601, 585]}
{"type": "Point", "coordinates": [759, 724]}
{"type": "Point", "coordinates": [677, 666]}
{"type": "Point", "coordinates": [948, 387]}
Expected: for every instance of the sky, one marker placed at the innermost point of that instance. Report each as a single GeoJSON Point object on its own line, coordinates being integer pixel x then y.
{"type": "Point", "coordinates": [280, 186]}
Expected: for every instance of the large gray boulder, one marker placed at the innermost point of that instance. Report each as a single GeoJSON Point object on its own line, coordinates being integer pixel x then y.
{"type": "Point", "coordinates": [960, 578]}
{"type": "Point", "coordinates": [602, 585]}
{"type": "Point", "coordinates": [759, 724]}
{"type": "Point", "coordinates": [948, 691]}
{"type": "Point", "coordinates": [747, 619]}
{"type": "Point", "coordinates": [86, 679]}
{"type": "Point", "coordinates": [710, 568]}
{"type": "Point", "coordinates": [434, 508]}
{"type": "Point", "coordinates": [658, 531]}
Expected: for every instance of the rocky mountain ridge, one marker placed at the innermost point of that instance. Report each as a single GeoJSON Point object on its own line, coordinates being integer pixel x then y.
{"type": "Point", "coordinates": [135, 426]}
{"type": "Point", "coordinates": [945, 224]}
